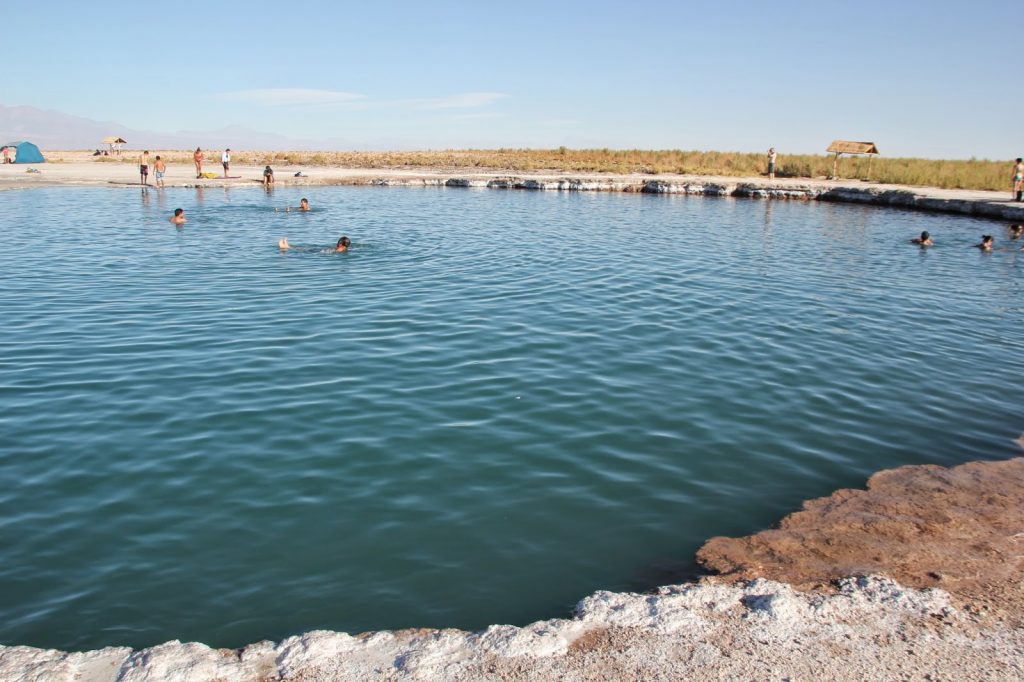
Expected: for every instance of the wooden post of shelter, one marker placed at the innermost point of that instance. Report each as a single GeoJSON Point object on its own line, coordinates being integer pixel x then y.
{"type": "Point", "coordinates": [844, 147]}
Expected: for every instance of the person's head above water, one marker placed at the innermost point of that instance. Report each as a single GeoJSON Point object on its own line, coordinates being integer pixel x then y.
{"type": "Point", "coordinates": [178, 212]}
{"type": "Point", "coordinates": [343, 244]}
{"type": "Point", "coordinates": [179, 217]}
{"type": "Point", "coordinates": [925, 236]}
{"type": "Point", "coordinates": [304, 202]}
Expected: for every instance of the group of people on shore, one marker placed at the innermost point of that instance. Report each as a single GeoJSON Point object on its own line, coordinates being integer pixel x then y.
{"type": "Point", "coordinates": [197, 158]}
{"type": "Point", "coordinates": [160, 167]}
{"type": "Point", "coordinates": [225, 161]}
{"type": "Point", "coordinates": [987, 242]}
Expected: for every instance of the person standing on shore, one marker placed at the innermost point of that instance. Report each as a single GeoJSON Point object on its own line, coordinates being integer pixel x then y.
{"type": "Point", "coordinates": [772, 156]}
{"type": "Point", "coordinates": [144, 168]}
{"type": "Point", "coordinates": [225, 160]}
{"type": "Point", "coordinates": [1018, 179]}
{"type": "Point", "coordinates": [198, 158]}
{"type": "Point", "coordinates": [160, 167]}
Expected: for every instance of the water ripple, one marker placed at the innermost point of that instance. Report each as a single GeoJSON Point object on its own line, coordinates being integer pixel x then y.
{"type": "Point", "coordinates": [492, 405]}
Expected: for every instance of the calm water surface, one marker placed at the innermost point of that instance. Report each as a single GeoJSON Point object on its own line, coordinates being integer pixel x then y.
{"type": "Point", "coordinates": [496, 403]}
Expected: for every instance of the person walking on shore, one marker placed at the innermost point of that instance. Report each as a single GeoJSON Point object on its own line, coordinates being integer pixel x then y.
{"type": "Point", "coordinates": [160, 167]}
{"type": "Point", "coordinates": [225, 160]}
{"type": "Point", "coordinates": [772, 156]}
{"type": "Point", "coordinates": [144, 168]}
{"type": "Point", "coordinates": [1018, 179]}
{"type": "Point", "coordinates": [198, 158]}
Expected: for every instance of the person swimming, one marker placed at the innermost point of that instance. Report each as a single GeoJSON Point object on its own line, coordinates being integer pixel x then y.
{"type": "Point", "coordinates": [986, 243]}
{"type": "Point", "coordinates": [179, 217]}
{"type": "Point", "coordinates": [924, 240]}
{"type": "Point", "coordinates": [341, 247]}
{"type": "Point", "coordinates": [1016, 231]}
{"type": "Point", "coordinates": [303, 207]}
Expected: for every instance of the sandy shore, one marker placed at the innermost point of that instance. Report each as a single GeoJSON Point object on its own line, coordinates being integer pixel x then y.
{"type": "Point", "coordinates": [957, 534]}
{"type": "Point", "coordinates": [79, 170]}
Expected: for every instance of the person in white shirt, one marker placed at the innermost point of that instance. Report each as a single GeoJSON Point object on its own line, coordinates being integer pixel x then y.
{"type": "Point", "coordinates": [225, 160]}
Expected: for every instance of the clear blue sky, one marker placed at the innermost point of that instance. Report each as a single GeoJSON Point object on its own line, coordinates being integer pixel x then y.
{"type": "Point", "coordinates": [931, 79]}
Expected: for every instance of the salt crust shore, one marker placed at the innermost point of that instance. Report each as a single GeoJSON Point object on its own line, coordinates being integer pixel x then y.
{"type": "Point", "coordinates": [996, 205]}
{"type": "Point", "coordinates": [722, 628]}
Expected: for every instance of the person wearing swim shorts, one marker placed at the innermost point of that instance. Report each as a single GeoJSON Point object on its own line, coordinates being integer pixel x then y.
{"type": "Point", "coordinates": [1018, 179]}
{"type": "Point", "coordinates": [197, 157]}
{"type": "Point", "coordinates": [268, 177]}
{"type": "Point", "coordinates": [225, 160]}
{"type": "Point", "coordinates": [144, 168]}
{"type": "Point", "coordinates": [772, 156]}
{"type": "Point", "coordinates": [160, 168]}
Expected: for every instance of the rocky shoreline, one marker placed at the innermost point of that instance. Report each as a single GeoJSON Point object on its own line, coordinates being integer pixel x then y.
{"type": "Point", "coordinates": [982, 204]}
{"type": "Point", "coordinates": [876, 195]}
{"type": "Point", "coordinates": [918, 577]}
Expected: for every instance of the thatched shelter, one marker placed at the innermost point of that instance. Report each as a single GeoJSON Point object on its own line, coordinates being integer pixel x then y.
{"type": "Point", "coordinates": [846, 147]}
{"type": "Point", "coordinates": [115, 143]}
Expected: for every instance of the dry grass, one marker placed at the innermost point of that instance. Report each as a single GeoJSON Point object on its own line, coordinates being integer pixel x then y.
{"type": "Point", "coordinates": [972, 174]}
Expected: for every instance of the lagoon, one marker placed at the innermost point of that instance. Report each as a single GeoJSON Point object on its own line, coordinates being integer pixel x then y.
{"type": "Point", "coordinates": [494, 404]}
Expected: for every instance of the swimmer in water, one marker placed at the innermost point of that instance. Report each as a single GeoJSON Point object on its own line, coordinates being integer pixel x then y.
{"type": "Point", "coordinates": [340, 247]}
{"type": "Point", "coordinates": [1016, 231]}
{"type": "Point", "coordinates": [303, 207]}
{"type": "Point", "coordinates": [924, 240]}
{"type": "Point", "coordinates": [986, 243]}
{"type": "Point", "coordinates": [179, 217]}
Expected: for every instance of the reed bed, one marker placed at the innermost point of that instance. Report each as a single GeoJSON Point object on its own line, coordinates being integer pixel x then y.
{"type": "Point", "coordinates": [950, 174]}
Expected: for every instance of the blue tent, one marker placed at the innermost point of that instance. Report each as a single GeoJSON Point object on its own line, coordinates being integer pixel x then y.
{"type": "Point", "coordinates": [26, 152]}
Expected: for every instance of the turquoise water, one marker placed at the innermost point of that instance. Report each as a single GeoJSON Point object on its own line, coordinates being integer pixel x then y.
{"type": "Point", "coordinates": [496, 403]}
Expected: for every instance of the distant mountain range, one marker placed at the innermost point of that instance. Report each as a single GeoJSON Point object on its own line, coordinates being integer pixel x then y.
{"type": "Point", "coordinates": [56, 130]}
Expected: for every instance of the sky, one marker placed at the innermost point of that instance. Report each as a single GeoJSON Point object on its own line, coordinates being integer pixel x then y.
{"type": "Point", "coordinates": [923, 79]}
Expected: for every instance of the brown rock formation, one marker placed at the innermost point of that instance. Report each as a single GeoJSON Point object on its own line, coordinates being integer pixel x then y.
{"type": "Point", "coordinates": [960, 529]}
